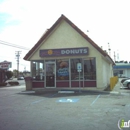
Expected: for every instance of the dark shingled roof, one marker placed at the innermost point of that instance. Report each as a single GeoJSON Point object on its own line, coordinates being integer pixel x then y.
{"type": "Point", "coordinates": [73, 26]}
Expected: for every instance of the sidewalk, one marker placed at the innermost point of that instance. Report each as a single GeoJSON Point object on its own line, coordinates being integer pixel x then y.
{"type": "Point", "coordinates": [116, 89]}
{"type": "Point", "coordinates": [120, 89]}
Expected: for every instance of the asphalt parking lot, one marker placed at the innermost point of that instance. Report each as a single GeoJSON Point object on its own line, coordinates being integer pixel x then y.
{"type": "Point", "coordinates": [20, 110]}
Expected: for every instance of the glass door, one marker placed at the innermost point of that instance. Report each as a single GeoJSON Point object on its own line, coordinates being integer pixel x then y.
{"type": "Point", "coordinates": [50, 74]}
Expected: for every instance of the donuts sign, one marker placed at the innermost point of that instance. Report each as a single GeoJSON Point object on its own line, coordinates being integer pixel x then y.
{"type": "Point", "coordinates": [64, 52]}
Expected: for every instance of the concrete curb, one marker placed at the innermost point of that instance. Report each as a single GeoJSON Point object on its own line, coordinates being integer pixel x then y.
{"type": "Point", "coordinates": [71, 91]}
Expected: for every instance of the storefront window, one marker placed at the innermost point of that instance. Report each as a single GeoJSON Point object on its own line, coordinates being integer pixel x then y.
{"type": "Point", "coordinates": [62, 69]}
{"type": "Point", "coordinates": [74, 71]}
{"type": "Point", "coordinates": [90, 69]}
{"type": "Point", "coordinates": [118, 72]}
{"type": "Point", "coordinates": [38, 70]}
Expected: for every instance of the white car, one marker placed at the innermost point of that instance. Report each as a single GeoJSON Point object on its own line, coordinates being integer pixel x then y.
{"type": "Point", "coordinates": [20, 78]}
{"type": "Point", "coordinates": [126, 83]}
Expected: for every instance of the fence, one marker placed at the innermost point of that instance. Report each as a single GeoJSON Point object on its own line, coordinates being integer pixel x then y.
{"type": "Point", "coordinates": [113, 81]}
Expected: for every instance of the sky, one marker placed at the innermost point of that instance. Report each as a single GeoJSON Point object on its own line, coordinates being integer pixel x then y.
{"type": "Point", "coordinates": [22, 22]}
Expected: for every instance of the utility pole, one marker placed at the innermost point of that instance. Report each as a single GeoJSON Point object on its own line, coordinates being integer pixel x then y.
{"type": "Point", "coordinates": [109, 49]}
{"type": "Point", "coordinates": [17, 54]}
{"type": "Point", "coordinates": [114, 56]}
{"type": "Point", "coordinates": [117, 55]}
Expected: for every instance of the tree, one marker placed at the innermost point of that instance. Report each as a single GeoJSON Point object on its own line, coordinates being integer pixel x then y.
{"type": "Point", "coordinates": [9, 74]}
{"type": "Point", "coordinates": [15, 73]}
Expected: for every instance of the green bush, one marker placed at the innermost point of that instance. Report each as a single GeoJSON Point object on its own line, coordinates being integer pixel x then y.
{"type": "Point", "coordinates": [9, 74]}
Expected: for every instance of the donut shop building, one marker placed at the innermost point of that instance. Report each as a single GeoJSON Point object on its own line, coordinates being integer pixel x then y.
{"type": "Point", "coordinates": [65, 55]}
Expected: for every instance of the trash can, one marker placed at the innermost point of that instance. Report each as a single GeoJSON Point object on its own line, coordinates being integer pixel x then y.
{"type": "Point", "coordinates": [28, 81]}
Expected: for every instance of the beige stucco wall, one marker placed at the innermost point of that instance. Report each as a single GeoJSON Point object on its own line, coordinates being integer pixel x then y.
{"type": "Point", "coordinates": [64, 36]}
{"type": "Point", "coordinates": [107, 72]}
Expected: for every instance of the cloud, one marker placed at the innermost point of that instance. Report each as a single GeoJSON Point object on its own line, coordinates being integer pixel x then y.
{"type": "Point", "coordinates": [23, 22]}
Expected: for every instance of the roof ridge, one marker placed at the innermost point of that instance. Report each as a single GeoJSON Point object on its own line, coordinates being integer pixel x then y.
{"type": "Point", "coordinates": [84, 34]}
{"type": "Point", "coordinates": [76, 28]}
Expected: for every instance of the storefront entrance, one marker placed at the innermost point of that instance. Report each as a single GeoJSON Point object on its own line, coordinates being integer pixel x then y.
{"type": "Point", "coordinates": [50, 74]}
{"type": "Point", "coordinates": [57, 73]}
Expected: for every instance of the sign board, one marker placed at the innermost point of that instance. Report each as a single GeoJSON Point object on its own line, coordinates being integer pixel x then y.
{"type": "Point", "coordinates": [64, 52]}
{"type": "Point", "coordinates": [79, 70]}
{"type": "Point", "coordinates": [79, 67]}
{"type": "Point", "coordinates": [5, 65]}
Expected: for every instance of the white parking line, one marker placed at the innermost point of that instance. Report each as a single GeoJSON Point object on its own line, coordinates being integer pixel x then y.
{"type": "Point", "coordinates": [43, 99]}
{"type": "Point", "coordinates": [37, 101]}
{"type": "Point", "coordinates": [95, 100]}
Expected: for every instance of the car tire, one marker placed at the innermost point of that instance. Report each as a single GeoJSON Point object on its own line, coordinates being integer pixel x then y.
{"type": "Point", "coordinates": [128, 85]}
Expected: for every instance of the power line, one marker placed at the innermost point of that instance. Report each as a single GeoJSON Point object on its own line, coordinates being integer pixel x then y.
{"type": "Point", "coordinates": [13, 45]}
